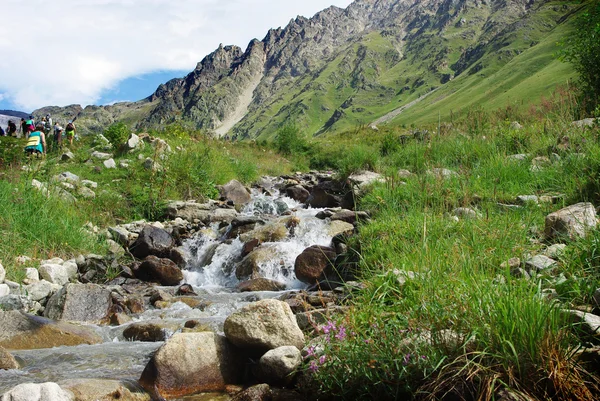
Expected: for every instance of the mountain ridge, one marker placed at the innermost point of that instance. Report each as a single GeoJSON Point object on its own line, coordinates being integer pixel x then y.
{"type": "Point", "coordinates": [342, 67]}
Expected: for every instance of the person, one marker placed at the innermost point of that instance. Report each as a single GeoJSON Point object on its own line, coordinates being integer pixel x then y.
{"type": "Point", "coordinates": [36, 142]}
{"type": "Point", "coordinates": [70, 131]}
{"type": "Point", "coordinates": [11, 130]}
{"type": "Point", "coordinates": [30, 126]}
{"type": "Point", "coordinates": [47, 124]}
{"type": "Point", "coordinates": [2, 132]}
{"type": "Point", "coordinates": [58, 131]}
{"type": "Point", "coordinates": [23, 128]}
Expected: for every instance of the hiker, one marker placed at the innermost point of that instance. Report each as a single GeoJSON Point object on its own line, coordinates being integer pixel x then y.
{"type": "Point", "coordinates": [48, 125]}
{"type": "Point", "coordinates": [23, 128]}
{"type": "Point", "coordinates": [36, 142]}
{"type": "Point", "coordinates": [58, 131]}
{"type": "Point", "coordinates": [2, 132]}
{"type": "Point", "coordinates": [30, 126]}
{"type": "Point", "coordinates": [11, 130]}
{"type": "Point", "coordinates": [70, 131]}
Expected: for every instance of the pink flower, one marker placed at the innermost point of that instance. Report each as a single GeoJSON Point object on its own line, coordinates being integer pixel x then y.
{"type": "Point", "coordinates": [313, 367]}
{"type": "Point", "coordinates": [322, 359]}
{"type": "Point", "coordinates": [341, 334]}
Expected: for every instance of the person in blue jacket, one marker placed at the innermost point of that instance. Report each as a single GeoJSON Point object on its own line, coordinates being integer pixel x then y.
{"type": "Point", "coordinates": [36, 143]}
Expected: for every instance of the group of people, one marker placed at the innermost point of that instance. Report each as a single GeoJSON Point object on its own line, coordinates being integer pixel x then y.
{"type": "Point", "coordinates": [38, 133]}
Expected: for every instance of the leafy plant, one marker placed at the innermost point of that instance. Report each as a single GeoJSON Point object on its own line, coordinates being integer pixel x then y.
{"type": "Point", "coordinates": [117, 134]}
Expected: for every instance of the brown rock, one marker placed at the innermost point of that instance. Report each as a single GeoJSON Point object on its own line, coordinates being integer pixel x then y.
{"type": "Point", "coordinates": [149, 332]}
{"type": "Point", "coordinates": [234, 191]}
{"type": "Point", "coordinates": [163, 271]}
{"type": "Point", "coordinates": [297, 193]}
{"type": "Point", "coordinates": [152, 241]}
{"type": "Point", "coordinates": [260, 284]}
{"type": "Point", "coordinates": [314, 263]}
{"type": "Point", "coordinates": [259, 392]}
{"type": "Point", "coordinates": [104, 390]}
{"type": "Point", "coordinates": [7, 361]}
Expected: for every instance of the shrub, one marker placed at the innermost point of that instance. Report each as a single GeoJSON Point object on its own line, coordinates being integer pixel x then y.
{"type": "Point", "coordinates": [289, 140]}
{"type": "Point", "coordinates": [117, 134]}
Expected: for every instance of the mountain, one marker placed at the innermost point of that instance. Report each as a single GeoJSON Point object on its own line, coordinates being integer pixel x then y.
{"type": "Point", "coordinates": [376, 61]}
{"type": "Point", "coordinates": [13, 113]}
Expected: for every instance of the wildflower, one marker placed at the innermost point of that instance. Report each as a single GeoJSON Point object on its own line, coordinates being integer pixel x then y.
{"type": "Point", "coordinates": [329, 327]}
{"type": "Point", "coordinates": [310, 352]}
{"type": "Point", "coordinates": [406, 359]}
{"type": "Point", "coordinates": [322, 359]}
{"type": "Point", "coordinates": [313, 367]}
{"type": "Point", "coordinates": [341, 334]}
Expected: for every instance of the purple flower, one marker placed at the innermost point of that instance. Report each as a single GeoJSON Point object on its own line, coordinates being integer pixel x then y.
{"type": "Point", "coordinates": [341, 334]}
{"type": "Point", "coordinates": [313, 367]}
{"type": "Point", "coordinates": [406, 359]}
{"type": "Point", "coordinates": [329, 327]}
{"type": "Point", "coordinates": [310, 352]}
{"type": "Point", "coordinates": [322, 359]}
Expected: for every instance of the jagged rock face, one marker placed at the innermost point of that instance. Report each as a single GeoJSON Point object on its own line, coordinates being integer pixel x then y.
{"type": "Point", "coordinates": [277, 80]}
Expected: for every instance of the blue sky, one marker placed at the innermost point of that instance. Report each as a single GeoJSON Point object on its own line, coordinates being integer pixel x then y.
{"type": "Point", "coordinates": [103, 51]}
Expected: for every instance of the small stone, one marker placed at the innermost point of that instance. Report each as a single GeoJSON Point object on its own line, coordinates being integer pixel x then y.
{"type": "Point", "coordinates": [32, 274]}
{"type": "Point", "coordinates": [511, 263]}
{"type": "Point", "coordinates": [539, 263]}
{"type": "Point", "coordinates": [110, 163]}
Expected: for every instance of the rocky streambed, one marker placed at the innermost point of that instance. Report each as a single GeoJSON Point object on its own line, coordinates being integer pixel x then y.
{"type": "Point", "coordinates": [218, 295]}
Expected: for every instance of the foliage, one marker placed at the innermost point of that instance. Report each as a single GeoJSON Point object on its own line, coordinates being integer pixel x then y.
{"type": "Point", "coordinates": [289, 140]}
{"type": "Point", "coordinates": [117, 134]}
{"type": "Point", "coordinates": [583, 51]}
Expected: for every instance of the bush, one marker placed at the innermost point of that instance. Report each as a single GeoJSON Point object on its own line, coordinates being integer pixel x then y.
{"type": "Point", "coordinates": [117, 134]}
{"type": "Point", "coordinates": [289, 141]}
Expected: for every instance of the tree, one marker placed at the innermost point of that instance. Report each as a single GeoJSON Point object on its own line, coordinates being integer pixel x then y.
{"type": "Point", "coordinates": [582, 49]}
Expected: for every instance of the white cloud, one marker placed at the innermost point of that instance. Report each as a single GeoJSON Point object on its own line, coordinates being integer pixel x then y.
{"type": "Point", "coordinates": [72, 50]}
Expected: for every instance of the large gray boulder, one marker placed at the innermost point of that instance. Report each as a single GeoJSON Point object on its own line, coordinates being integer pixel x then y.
{"type": "Point", "coordinates": [278, 365]}
{"type": "Point", "coordinates": [57, 273]}
{"type": "Point", "coordinates": [104, 390]}
{"type": "Point", "coordinates": [235, 192]}
{"type": "Point", "coordinates": [190, 363]}
{"type": "Point", "coordinates": [152, 241]}
{"type": "Point", "coordinates": [79, 303]}
{"type": "Point", "coordinates": [264, 325]}
{"type": "Point", "coordinates": [37, 392]}
{"type": "Point", "coordinates": [21, 331]}
{"type": "Point", "coordinates": [571, 222]}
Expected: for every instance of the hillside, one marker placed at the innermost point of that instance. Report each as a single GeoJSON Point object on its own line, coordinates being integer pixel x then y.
{"type": "Point", "coordinates": [344, 68]}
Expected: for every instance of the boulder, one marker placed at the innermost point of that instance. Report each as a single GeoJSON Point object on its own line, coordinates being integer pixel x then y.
{"type": "Point", "coordinates": [80, 303]}
{"type": "Point", "coordinates": [260, 284]}
{"type": "Point", "coordinates": [40, 290]}
{"type": "Point", "coordinates": [349, 216]}
{"type": "Point", "coordinates": [190, 363]}
{"type": "Point", "coordinates": [264, 325]}
{"type": "Point", "coordinates": [110, 163]}
{"type": "Point", "coordinates": [278, 365]}
{"type": "Point", "coordinates": [149, 331]}
{"type": "Point", "coordinates": [314, 263]}
{"type": "Point", "coordinates": [270, 232]}
{"type": "Point", "coordinates": [297, 193]}
{"type": "Point", "coordinates": [14, 302]}
{"type": "Point", "coordinates": [21, 331]}
{"type": "Point", "coordinates": [104, 390]}
{"type": "Point", "coordinates": [161, 270]}
{"type": "Point", "coordinates": [37, 392]}
{"type": "Point", "coordinates": [249, 267]}
{"type": "Point", "coordinates": [571, 222]}
{"type": "Point", "coordinates": [55, 273]}
{"type": "Point", "coordinates": [223, 215]}
{"type": "Point", "coordinates": [7, 361]}
{"type": "Point", "coordinates": [189, 211]}
{"type": "Point", "coordinates": [120, 235]}
{"type": "Point", "coordinates": [133, 142]}
{"type": "Point", "coordinates": [235, 192]}
{"type": "Point", "coordinates": [152, 241]}
{"type": "Point", "coordinates": [339, 227]}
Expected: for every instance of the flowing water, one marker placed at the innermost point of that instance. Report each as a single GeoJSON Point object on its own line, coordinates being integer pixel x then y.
{"type": "Point", "coordinates": [211, 260]}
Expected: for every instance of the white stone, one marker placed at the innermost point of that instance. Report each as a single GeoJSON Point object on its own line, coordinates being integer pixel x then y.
{"type": "Point", "coordinates": [86, 193]}
{"type": "Point", "coordinates": [133, 142]}
{"type": "Point", "coordinates": [4, 290]}
{"type": "Point", "coordinates": [89, 184]}
{"type": "Point", "coordinates": [101, 156]}
{"type": "Point", "coordinates": [54, 273]}
{"type": "Point", "coordinates": [32, 274]}
{"type": "Point", "coordinates": [41, 290]}
{"type": "Point", "coordinates": [571, 222]}
{"type": "Point", "coordinates": [67, 176]}
{"type": "Point", "coordinates": [37, 392]}
{"type": "Point", "coordinates": [110, 163]}
{"type": "Point", "coordinates": [2, 273]}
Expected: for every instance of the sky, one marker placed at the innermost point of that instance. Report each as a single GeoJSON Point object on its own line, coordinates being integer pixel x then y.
{"type": "Point", "coordinates": [61, 52]}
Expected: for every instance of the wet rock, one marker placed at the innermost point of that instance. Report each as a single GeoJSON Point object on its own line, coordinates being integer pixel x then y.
{"type": "Point", "coordinates": [177, 255]}
{"type": "Point", "coordinates": [149, 331]}
{"type": "Point", "coordinates": [161, 270]}
{"type": "Point", "coordinates": [189, 211]}
{"type": "Point", "coordinates": [185, 289]}
{"type": "Point", "coordinates": [104, 390]}
{"type": "Point", "coordinates": [571, 222]}
{"type": "Point", "coordinates": [250, 246]}
{"type": "Point", "coordinates": [314, 263]}
{"type": "Point", "coordinates": [7, 361]}
{"type": "Point", "coordinates": [152, 241]}
{"type": "Point", "coordinates": [258, 392]}
{"type": "Point", "coordinates": [37, 392]}
{"type": "Point", "coordinates": [278, 365]}
{"type": "Point", "coordinates": [297, 193]}
{"type": "Point", "coordinates": [235, 192]}
{"type": "Point", "coordinates": [270, 232]}
{"type": "Point", "coordinates": [264, 325]}
{"type": "Point", "coordinates": [350, 216]}
{"type": "Point", "coordinates": [260, 284]}
{"type": "Point", "coordinates": [80, 303]}
{"type": "Point", "coordinates": [249, 267]}
{"type": "Point", "coordinates": [190, 363]}
{"type": "Point", "coordinates": [21, 331]}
